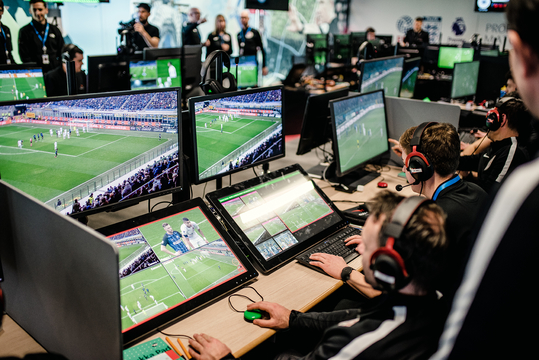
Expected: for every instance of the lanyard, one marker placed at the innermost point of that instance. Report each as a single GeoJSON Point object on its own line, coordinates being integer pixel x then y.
{"type": "Point", "coordinates": [444, 186]}
{"type": "Point", "coordinates": [43, 40]}
{"type": "Point", "coordinates": [242, 34]}
{"type": "Point", "coordinates": [5, 38]}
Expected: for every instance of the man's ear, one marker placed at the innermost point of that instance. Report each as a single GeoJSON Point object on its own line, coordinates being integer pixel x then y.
{"type": "Point", "coordinates": [504, 120]}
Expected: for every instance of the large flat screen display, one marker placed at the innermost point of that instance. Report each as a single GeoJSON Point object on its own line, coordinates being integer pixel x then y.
{"type": "Point", "coordinates": [448, 56]}
{"type": "Point", "coordinates": [21, 82]}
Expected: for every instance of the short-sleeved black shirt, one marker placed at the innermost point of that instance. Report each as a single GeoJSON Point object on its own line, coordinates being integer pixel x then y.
{"type": "Point", "coordinates": [139, 40]}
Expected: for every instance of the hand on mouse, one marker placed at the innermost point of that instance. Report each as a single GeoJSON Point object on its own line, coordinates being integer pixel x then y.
{"type": "Point", "coordinates": [205, 347]}
{"type": "Point", "coordinates": [279, 316]}
{"type": "Point", "coordinates": [331, 264]}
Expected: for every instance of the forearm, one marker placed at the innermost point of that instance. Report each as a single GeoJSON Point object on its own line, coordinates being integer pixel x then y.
{"type": "Point", "coordinates": [358, 282]}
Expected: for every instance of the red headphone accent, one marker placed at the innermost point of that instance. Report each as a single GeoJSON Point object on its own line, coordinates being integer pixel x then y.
{"type": "Point", "coordinates": [388, 250]}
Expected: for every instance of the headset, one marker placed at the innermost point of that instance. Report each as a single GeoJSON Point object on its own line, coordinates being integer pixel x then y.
{"type": "Point", "coordinates": [212, 86]}
{"type": "Point", "coordinates": [494, 122]}
{"type": "Point", "coordinates": [387, 264]}
{"type": "Point", "coordinates": [417, 163]}
{"type": "Point", "coordinates": [366, 51]}
{"type": "Point", "coordinates": [69, 52]}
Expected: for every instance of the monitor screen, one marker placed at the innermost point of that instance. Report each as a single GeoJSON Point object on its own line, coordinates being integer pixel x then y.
{"type": "Point", "coordinates": [152, 74]}
{"type": "Point", "coordinates": [235, 131]}
{"type": "Point", "coordinates": [88, 153]}
{"type": "Point", "coordinates": [191, 62]}
{"type": "Point", "coordinates": [172, 262]}
{"type": "Point", "coordinates": [491, 6]}
{"type": "Point", "coordinates": [448, 56]}
{"type": "Point", "coordinates": [107, 73]}
{"type": "Point", "coordinates": [267, 5]}
{"type": "Point", "coordinates": [359, 130]}
{"type": "Point", "coordinates": [21, 82]}
{"type": "Point", "coordinates": [465, 77]}
{"type": "Point", "coordinates": [409, 77]}
{"type": "Point", "coordinates": [383, 73]}
{"type": "Point", "coordinates": [247, 71]}
{"type": "Point", "coordinates": [316, 128]}
{"type": "Point", "coordinates": [316, 49]}
{"type": "Point", "coordinates": [342, 48]}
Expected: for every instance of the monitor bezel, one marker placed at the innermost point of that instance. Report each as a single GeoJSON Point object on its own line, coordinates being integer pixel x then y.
{"type": "Point", "coordinates": [201, 300]}
{"type": "Point", "coordinates": [441, 50]}
{"type": "Point", "coordinates": [336, 153]}
{"type": "Point", "coordinates": [453, 82]}
{"type": "Point", "coordinates": [417, 59]}
{"type": "Point", "coordinates": [25, 66]}
{"type": "Point", "coordinates": [195, 174]}
{"type": "Point", "coordinates": [310, 128]}
{"type": "Point", "coordinates": [267, 266]}
{"type": "Point", "coordinates": [128, 202]}
{"type": "Point", "coordinates": [362, 69]}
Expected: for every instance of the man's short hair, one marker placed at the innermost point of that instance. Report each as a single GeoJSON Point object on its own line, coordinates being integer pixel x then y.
{"type": "Point", "coordinates": [185, 219]}
{"type": "Point", "coordinates": [423, 241]}
{"type": "Point", "coordinates": [144, 6]}
{"type": "Point", "coordinates": [419, 18]}
{"type": "Point", "coordinates": [518, 116]}
{"type": "Point", "coordinates": [71, 50]}
{"type": "Point", "coordinates": [165, 224]}
{"type": "Point", "coordinates": [32, 2]}
{"type": "Point", "coordinates": [1, 5]}
{"type": "Point", "coordinates": [522, 17]}
{"type": "Point", "coordinates": [441, 145]}
{"type": "Point", "coordinates": [370, 29]}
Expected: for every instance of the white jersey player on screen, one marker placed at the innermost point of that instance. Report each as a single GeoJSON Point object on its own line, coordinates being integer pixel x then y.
{"type": "Point", "coordinates": [189, 230]}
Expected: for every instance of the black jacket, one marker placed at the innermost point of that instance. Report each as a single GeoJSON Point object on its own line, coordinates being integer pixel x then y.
{"type": "Point", "coordinates": [31, 48]}
{"type": "Point", "coordinates": [249, 41]}
{"type": "Point", "coordinates": [5, 43]}
{"type": "Point", "coordinates": [413, 38]}
{"type": "Point", "coordinates": [190, 34]}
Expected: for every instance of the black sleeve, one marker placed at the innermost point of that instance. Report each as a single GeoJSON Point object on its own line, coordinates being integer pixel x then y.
{"type": "Point", "coordinates": [189, 27]}
{"type": "Point", "coordinates": [320, 321]}
{"type": "Point", "coordinates": [261, 46]}
{"type": "Point", "coordinates": [25, 41]}
{"type": "Point", "coordinates": [408, 38]}
{"type": "Point", "coordinates": [498, 170]}
{"type": "Point", "coordinates": [229, 43]}
{"type": "Point", "coordinates": [425, 38]}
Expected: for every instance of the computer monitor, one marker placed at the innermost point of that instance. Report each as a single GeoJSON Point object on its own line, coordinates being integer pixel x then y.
{"type": "Point", "coordinates": [342, 48]}
{"type": "Point", "coordinates": [108, 73]}
{"type": "Point", "coordinates": [356, 39]}
{"type": "Point", "coordinates": [387, 39]}
{"type": "Point", "coordinates": [191, 62]}
{"type": "Point", "coordinates": [409, 77]}
{"type": "Point", "coordinates": [316, 49]}
{"type": "Point", "coordinates": [359, 126]}
{"type": "Point", "coordinates": [382, 73]}
{"type": "Point", "coordinates": [154, 74]}
{"type": "Point", "coordinates": [316, 126]}
{"type": "Point", "coordinates": [448, 56]}
{"type": "Point", "coordinates": [235, 131]}
{"type": "Point", "coordinates": [247, 71]}
{"type": "Point", "coordinates": [165, 273]}
{"type": "Point", "coordinates": [100, 151]}
{"type": "Point", "coordinates": [465, 77]}
{"type": "Point", "coordinates": [21, 82]}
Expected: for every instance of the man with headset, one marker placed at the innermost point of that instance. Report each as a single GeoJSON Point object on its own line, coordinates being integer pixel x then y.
{"type": "Point", "coordinates": [56, 80]}
{"type": "Point", "coordinates": [404, 242]}
{"type": "Point", "coordinates": [507, 124]}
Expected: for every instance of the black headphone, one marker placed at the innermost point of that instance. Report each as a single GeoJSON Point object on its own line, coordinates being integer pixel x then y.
{"type": "Point", "coordinates": [212, 86]}
{"type": "Point", "coordinates": [493, 116]}
{"type": "Point", "coordinates": [366, 51]}
{"type": "Point", "coordinates": [417, 163]}
{"type": "Point", "coordinates": [69, 52]}
{"type": "Point", "coordinates": [386, 263]}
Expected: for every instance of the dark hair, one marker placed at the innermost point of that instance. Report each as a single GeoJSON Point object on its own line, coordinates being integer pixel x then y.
{"type": "Point", "coordinates": [419, 18]}
{"type": "Point", "coordinates": [32, 2]}
{"type": "Point", "coordinates": [165, 224]}
{"type": "Point", "coordinates": [522, 17]}
{"type": "Point", "coordinates": [71, 50]}
{"type": "Point", "coordinates": [423, 242]}
{"type": "Point", "coordinates": [518, 116]}
{"type": "Point", "coordinates": [441, 145]}
{"type": "Point", "coordinates": [144, 6]}
{"type": "Point", "coordinates": [370, 29]}
{"type": "Point", "coordinates": [2, 4]}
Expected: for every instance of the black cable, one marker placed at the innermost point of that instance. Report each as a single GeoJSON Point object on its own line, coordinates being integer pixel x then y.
{"type": "Point", "coordinates": [161, 202]}
{"type": "Point", "coordinates": [175, 335]}
{"type": "Point", "coordinates": [243, 296]}
{"type": "Point", "coordinates": [204, 191]}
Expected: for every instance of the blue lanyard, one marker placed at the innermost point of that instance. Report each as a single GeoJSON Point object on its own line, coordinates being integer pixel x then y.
{"type": "Point", "coordinates": [43, 40]}
{"type": "Point", "coordinates": [444, 186]}
{"type": "Point", "coordinates": [243, 34]}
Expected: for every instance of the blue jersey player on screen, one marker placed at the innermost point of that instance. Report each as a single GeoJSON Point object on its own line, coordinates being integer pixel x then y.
{"type": "Point", "coordinates": [174, 240]}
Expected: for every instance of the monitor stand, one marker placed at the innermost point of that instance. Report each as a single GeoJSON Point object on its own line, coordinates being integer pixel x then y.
{"type": "Point", "coordinates": [349, 182]}
{"type": "Point", "coordinates": [317, 171]}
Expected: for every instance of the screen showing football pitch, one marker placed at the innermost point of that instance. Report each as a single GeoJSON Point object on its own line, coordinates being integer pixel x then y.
{"type": "Point", "coordinates": [383, 73]}
{"type": "Point", "coordinates": [85, 153]}
{"type": "Point", "coordinates": [151, 74]}
{"type": "Point", "coordinates": [465, 77]}
{"type": "Point", "coordinates": [247, 71]}
{"type": "Point", "coordinates": [18, 83]}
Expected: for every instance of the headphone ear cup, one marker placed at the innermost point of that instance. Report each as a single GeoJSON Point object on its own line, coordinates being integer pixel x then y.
{"type": "Point", "coordinates": [387, 271]}
{"type": "Point", "coordinates": [232, 86]}
{"type": "Point", "coordinates": [493, 120]}
{"type": "Point", "coordinates": [419, 167]}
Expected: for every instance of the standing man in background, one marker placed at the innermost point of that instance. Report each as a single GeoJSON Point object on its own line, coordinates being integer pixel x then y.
{"type": "Point", "coordinates": [5, 41]}
{"type": "Point", "coordinates": [415, 36]}
{"type": "Point", "coordinates": [250, 40]}
{"type": "Point", "coordinates": [190, 33]}
{"type": "Point", "coordinates": [39, 41]}
{"type": "Point", "coordinates": [146, 35]}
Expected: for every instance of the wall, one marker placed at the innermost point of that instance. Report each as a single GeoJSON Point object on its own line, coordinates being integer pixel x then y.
{"type": "Point", "coordinates": [459, 20]}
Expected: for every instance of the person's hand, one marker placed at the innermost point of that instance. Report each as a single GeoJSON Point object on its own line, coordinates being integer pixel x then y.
{"type": "Point", "coordinates": [356, 240]}
{"type": "Point", "coordinates": [205, 347]}
{"type": "Point", "coordinates": [331, 264]}
{"type": "Point", "coordinates": [265, 70]}
{"type": "Point", "coordinates": [139, 28]}
{"type": "Point", "coordinates": [207, 43]}
{"type": "Point", "coordinates": [293, 18]}
{"type": "Point", "coordinates": [479, 134]}
{"type": "Point", "coordinates": [279, 315]}
{"type": "Point", "coordinates": [177, 253]}
{"type": "Point", "coordinates": [225, 47]}
{"type": "Point", "coordinates": [202, 21]}
{"type": "Point", "coordinates": [397, 148]}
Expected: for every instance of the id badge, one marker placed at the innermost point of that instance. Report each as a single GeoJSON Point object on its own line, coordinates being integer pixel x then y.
{"type": "Point", "coordinates": [45, 59]}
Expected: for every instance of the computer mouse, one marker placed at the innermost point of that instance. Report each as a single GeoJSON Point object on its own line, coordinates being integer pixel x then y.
{"type": "Point", "coordinates": [250, 315]}
{"type": "Point", "coordinates": [382, 184]}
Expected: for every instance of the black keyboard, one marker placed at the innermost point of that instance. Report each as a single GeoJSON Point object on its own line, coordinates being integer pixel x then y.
{"type": "Point", "coordinates": [334, 245]}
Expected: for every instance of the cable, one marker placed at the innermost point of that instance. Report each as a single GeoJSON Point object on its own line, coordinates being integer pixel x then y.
{"type": "Point", "coordinates": [243, 296]}
{"type": "Point", "coordinates": [175, 335]}
{"type": "Point", "coordinates": [161, 202]}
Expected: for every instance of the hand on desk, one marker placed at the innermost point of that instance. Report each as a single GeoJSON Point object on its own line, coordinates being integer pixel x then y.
{"type": "Point", "coordinates": [205, 347]}
{"type": "Point", "coordinates": [279, 315]}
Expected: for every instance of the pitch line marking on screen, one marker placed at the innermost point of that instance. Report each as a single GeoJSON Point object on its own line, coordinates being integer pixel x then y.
{"type": "Point", "coordinates": [99, 147]}
{"type": "Point", "coordinates": [29, 151]}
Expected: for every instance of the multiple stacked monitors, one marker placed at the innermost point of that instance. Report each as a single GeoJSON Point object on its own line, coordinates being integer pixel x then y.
{"type": "Point", "coordinates": [171, 262]}
{"type": "Point", "coordinates": [247, 71]}
{"type": "Point", "coordinates": [89, 153]}
{"type": "Point", "coordinates": [383, 73]}
{"type": "Point", "coordinates": [235, 131]}
{"type": "Point", "coordinates": [448, 56]}
{"type": "Point", "coordinates": [359, 130]}
{"type": "Point", "coordinates": [409, 77]}
{"type": "Point", "coordinates": [21, 82]}
{"type": "Point", "coordinates": [342, 50]}
{"type": "Point", "coordinates": [465, 76]}
{"type": "Point", "coordinates": [316, 50]}
{"type": "Point", "coordinates": [152, 74]}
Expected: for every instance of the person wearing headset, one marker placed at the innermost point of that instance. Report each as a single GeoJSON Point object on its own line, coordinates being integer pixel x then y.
{"type": "Point", "coordinates": [508, 126]}
{"type": "Point", "coordinates": [56, 80]}
{"type": "Point", "coordinates": [404, 242]}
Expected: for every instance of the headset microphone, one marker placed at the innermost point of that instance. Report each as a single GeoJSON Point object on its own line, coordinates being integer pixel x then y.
{"type": "Point", "coordinates": [400, 187]}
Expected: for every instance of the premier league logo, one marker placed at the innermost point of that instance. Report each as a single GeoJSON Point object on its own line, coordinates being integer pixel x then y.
{"type": "Point", "coordinates": [458, 27]}
{"type": "Point", "coordinates": [404, 23]}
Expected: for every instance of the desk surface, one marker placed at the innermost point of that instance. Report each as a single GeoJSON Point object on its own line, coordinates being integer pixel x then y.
{"type": "Point", "coordinates": [293, 285]}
